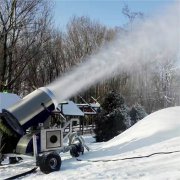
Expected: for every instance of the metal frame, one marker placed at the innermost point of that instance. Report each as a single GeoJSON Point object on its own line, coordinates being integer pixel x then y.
{"type": "Point", "coordinates": [72, 137]}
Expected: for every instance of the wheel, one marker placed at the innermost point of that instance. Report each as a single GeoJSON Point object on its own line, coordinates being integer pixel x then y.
{"type": "Point", "coordinates": [50, 162]}
{"type": "Point", "coordinates": [80, 148]}
{"type": "Point", "coordinates": [76, 150]}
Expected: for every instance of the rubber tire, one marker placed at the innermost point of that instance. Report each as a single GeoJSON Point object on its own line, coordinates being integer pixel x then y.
{"type": "Point", "coordinates": [76, 150]}
{"type": "Point", "coordinates": [50, 162]}
{"type": "Point", "coordinates": [80, 149]}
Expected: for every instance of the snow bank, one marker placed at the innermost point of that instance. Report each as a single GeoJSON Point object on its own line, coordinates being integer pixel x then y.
{"type": "Point", "coordinates": [154, 128]}
{"type": "Point", "coordinates": [7, 100]}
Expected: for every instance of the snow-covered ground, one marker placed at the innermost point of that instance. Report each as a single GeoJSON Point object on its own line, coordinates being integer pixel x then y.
{"type": "Point", "coordinates": [158, 132]}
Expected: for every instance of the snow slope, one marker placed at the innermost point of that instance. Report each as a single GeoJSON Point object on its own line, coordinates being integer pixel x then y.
{"type": "Point", "coordinates": [158, 126]}
{"type": "Point", "coordinates": [158, 132]}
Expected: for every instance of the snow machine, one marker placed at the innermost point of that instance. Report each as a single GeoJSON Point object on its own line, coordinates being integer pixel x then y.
{"type": "Point", "coordinates": [35, 126]}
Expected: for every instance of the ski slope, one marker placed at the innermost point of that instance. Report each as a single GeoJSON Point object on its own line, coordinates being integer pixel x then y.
{"type": "Point", "coordinates": [158, 132]}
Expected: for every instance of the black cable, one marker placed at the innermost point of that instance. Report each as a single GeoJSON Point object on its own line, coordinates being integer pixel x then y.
{"type": "Point", "coordinates": [135, 157]}
{"type": "Point", "coordinates": [22, 174]}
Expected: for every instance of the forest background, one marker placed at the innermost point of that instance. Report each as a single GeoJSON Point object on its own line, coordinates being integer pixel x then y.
{"type": "Point", "coordinates": [33, 53]}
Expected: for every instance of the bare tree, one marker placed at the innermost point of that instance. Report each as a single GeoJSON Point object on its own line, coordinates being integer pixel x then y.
{"type": "Point", "coordinates": [22, 27]}
{"type": "Point", "coordinates": [131, 15]}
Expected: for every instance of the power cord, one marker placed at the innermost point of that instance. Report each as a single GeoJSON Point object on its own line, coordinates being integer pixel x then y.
{"type": "Point", "coordinates": [127, 158]}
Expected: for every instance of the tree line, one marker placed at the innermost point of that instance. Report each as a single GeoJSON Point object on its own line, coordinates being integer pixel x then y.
{"type": "Point", "coordinates": [33, 53]}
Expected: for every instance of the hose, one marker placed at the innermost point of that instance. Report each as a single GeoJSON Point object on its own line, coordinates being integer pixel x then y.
{"type": "Point", "coordinates": [22, 174]}
{"type": "Point", "coordinates": [127, 158]}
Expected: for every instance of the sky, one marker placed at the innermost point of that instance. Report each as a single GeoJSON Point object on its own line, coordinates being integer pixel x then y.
{"type": "Point", "coordinates": [106, 12]}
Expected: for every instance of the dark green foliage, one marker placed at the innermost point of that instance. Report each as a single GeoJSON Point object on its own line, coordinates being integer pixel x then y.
{"type": "Point", "coordinates": [115, 117]}
{"type": "Point", "coordinates": [112, 101]}
{"type": "Point", "coordinates": [137, 113]}
{"type": "Point", "coordinates": [111, 120]}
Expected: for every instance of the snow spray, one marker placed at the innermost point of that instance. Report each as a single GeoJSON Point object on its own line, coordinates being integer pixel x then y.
{"type": "Point", "coordinates": [153, 40]}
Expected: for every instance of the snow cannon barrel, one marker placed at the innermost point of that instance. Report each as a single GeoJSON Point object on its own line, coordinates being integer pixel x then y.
{"type": "Point", "coordinates": [33, 109]}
